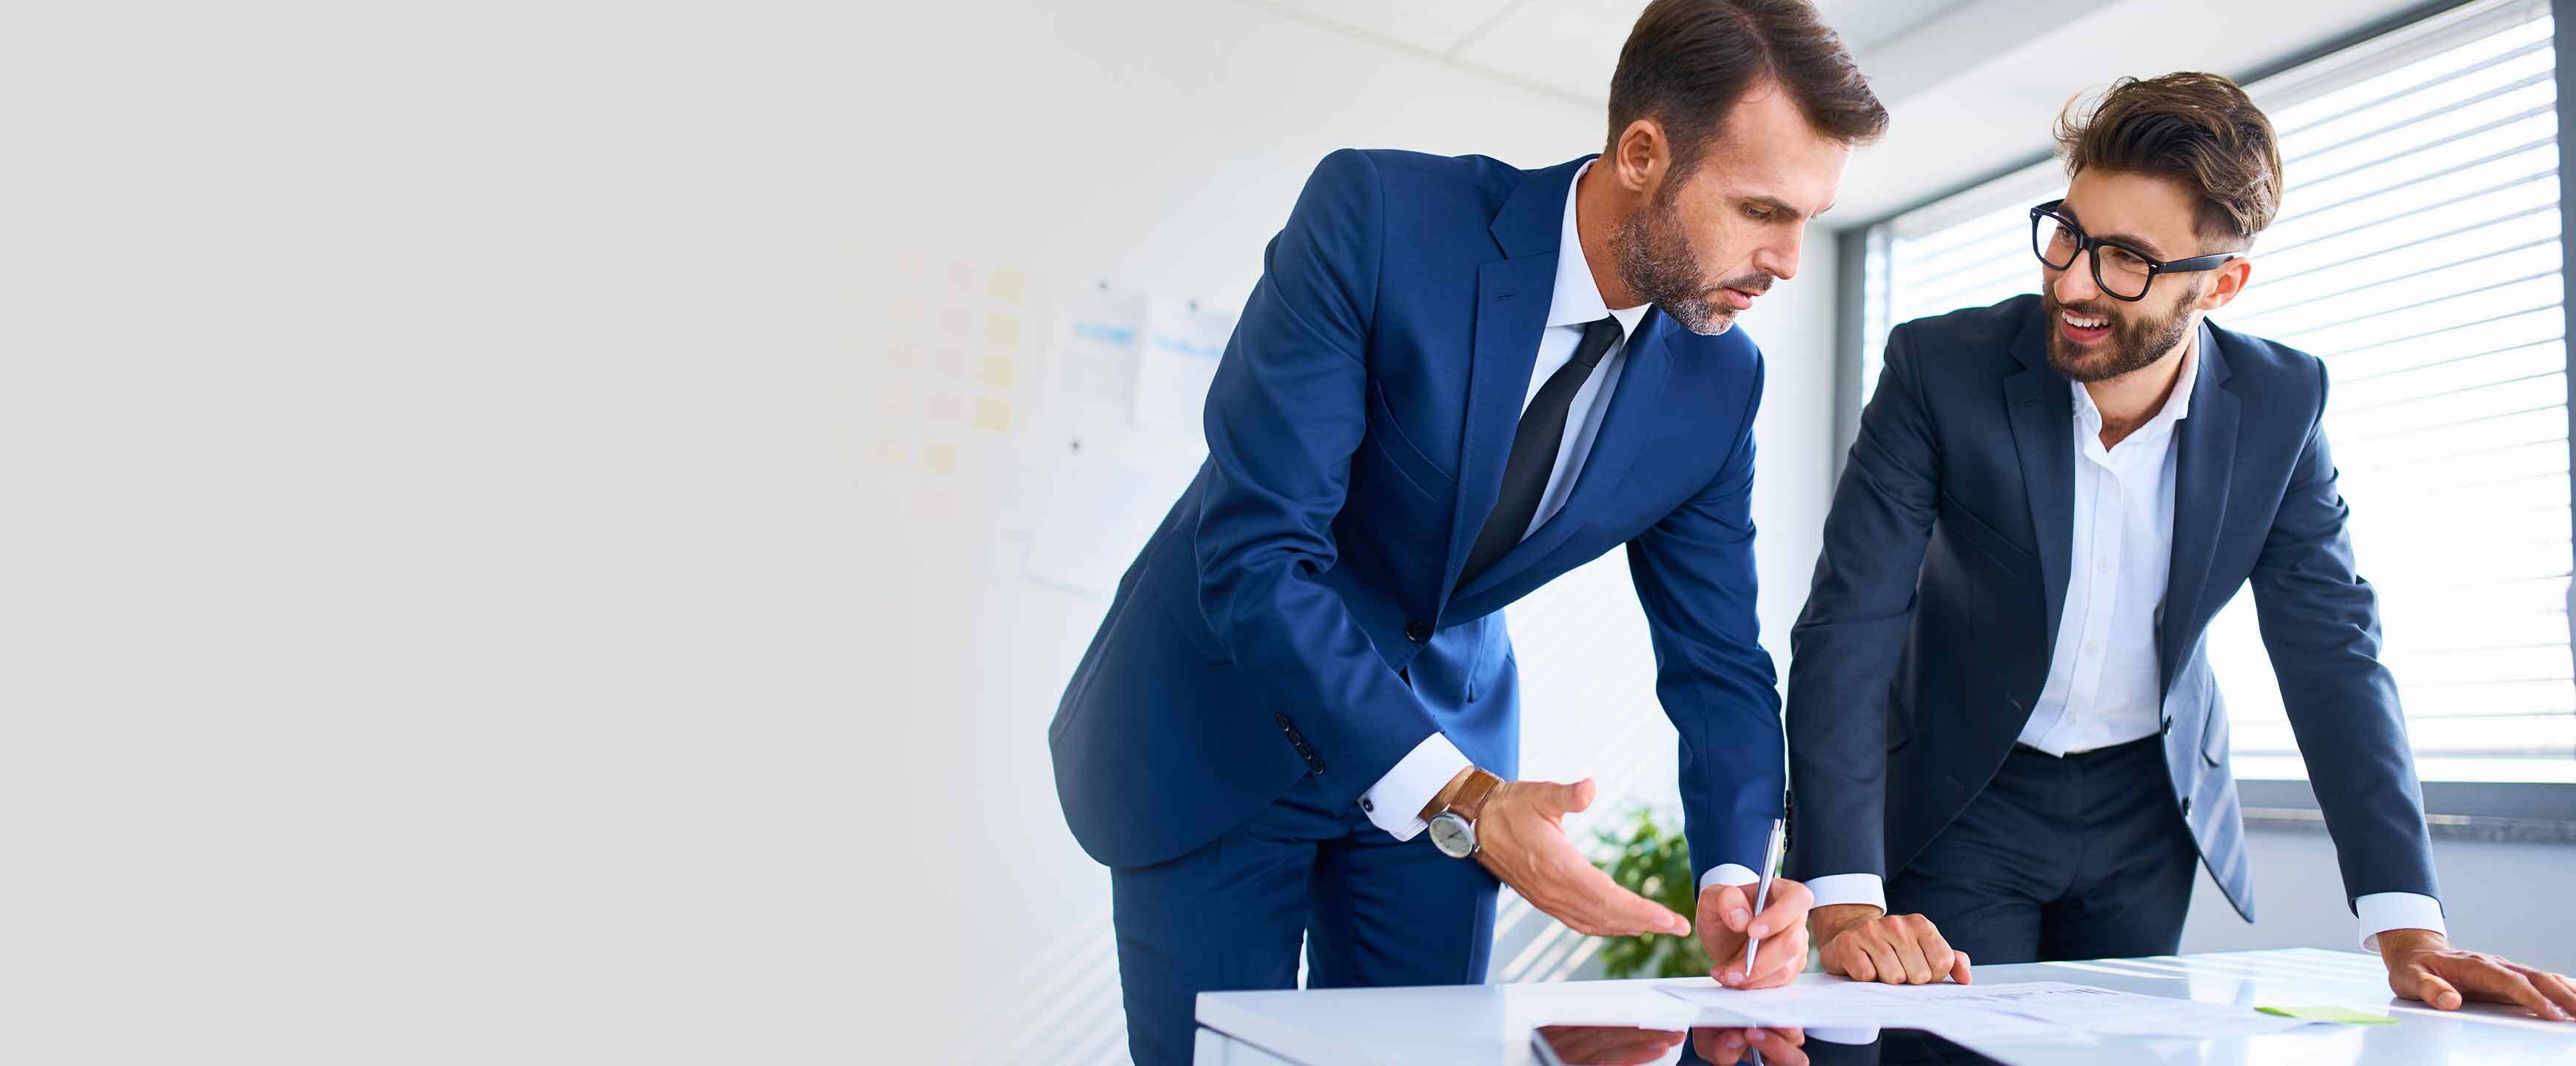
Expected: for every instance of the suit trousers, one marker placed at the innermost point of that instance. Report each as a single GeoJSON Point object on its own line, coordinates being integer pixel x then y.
{"type": "Point", "coordinates": [2080, 857]}
{"type": "Point", "coordinates": [1372, 911]}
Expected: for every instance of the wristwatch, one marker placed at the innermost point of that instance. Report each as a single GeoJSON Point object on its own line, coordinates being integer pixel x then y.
{"type": "Point", "coordinates": [1453, 827]}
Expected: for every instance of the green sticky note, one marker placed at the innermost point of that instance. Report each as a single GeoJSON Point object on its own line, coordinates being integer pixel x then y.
{"type": "Point", "coordinates": [2338, 1015]}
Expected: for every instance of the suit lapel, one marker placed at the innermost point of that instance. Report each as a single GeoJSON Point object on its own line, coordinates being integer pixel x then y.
{"type": "Point", "coordinates": [2204, 468]}
{"type": "Point", "coordinates": [2042, 414]}
{"type": "Point", "coordinates": [1625, 428]}
{"type": "Point", "coordinates": [1512, 296]}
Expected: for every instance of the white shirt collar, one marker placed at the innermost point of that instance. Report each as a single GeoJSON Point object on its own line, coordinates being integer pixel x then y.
{"type": "Point", "coordinates": [1577, 299]}
{"type": "Point", "coordinates": [2177, 405]}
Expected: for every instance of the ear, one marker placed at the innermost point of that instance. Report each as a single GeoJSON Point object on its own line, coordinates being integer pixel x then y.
{"type": "Point", "coordinates": [2231, 280]}
{"type": "Point", "coordinates": [1643, 156]}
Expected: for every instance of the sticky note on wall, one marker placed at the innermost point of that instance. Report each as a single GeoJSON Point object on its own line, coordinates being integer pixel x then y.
{"type": "Point", "coordinates": [992, 416]}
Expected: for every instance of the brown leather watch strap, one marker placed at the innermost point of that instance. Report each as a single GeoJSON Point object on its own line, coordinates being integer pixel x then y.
{"type": "Point", "coordinates": [1467, 796]}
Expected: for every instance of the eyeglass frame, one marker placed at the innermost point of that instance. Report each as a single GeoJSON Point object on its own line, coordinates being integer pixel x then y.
{"type": "Point", "coordinates": [2086, 245]}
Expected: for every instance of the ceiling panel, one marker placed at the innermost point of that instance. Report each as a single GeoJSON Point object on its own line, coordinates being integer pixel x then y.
{"type": "Point", "coordinates": [1573, 45]}
{"type": "Point", "coordinates": [1568, 45]}
{"type": "Point", "coordinates": [1866, 24]}
{"type": "Point", "coordinates": [1432, 25]}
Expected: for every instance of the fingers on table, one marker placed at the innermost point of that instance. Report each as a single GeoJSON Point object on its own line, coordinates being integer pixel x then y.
{"type": "Point", "coordinates": [2556, 986]}
{"type": "Point", "coordinates": [1939, 960]}
{"type": "Point", "coordinates": [2506, 982]}
{"type": "Point", "coordinates": [1909, 954]}
{"type": "Point", "coordinates": [2419, 983]}
{"type": "Point", "coordinates": [1882, 954]}
{"type": "Point", "coordinates": [1855, 963]}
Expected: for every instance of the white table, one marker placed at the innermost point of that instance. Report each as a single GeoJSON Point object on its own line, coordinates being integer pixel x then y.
{"type": "Point", "coordinates": [1481, 1024]}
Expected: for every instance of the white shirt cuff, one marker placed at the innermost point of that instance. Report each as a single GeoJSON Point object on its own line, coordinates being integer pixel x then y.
{"type": "Point", "coordinates": [2383, 911]}
{"type": "Point", "coordinates": [1835, 889]}
{"type": "Point", "coordinates": [1395, 802]}
{"type": "Point", "coordinates": [1726, 873]}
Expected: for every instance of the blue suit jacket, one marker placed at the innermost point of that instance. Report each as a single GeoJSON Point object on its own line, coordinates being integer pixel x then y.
{"type": "Point", "coordinates": [1929, 629]}
{"type": "Point", "coordinates": [1301, 609]}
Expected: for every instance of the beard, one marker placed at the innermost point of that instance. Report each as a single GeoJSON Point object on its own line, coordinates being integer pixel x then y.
{"type": "Point", "coordinates": [1653, 252]}
{"type": "Point", "coordinates": [2134, 343]}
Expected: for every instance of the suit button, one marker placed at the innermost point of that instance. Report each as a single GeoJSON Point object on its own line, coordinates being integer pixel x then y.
{"type": "Point", "coordinates": [1417, 632]}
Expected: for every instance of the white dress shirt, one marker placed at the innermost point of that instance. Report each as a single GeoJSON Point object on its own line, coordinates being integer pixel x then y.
{"type": "Point", "coordinates": [2105, 686]}
{"type": "Point", "coordinates": [1395, 802]}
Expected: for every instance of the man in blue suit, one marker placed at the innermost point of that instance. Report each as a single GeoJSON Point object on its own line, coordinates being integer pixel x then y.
{"type": "Point", "coordinates": [1999, 698]}
{"type": "Point", "coordinates": [1455, 381]}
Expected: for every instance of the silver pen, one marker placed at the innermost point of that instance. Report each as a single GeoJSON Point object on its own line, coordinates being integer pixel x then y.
{"type": "Point", "coordinates": [1762, 888]}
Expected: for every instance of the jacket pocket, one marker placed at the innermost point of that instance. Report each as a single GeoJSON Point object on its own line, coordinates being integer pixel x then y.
{"type": "Point", "coordinates": [1996, 547]}
{"type": "Point", "coordinates": [1387, 439]}
{"type": "Point", "coordinates": [2213, 730]}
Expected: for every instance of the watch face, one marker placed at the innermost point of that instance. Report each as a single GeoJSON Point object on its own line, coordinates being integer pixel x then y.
{"type": "Point", "coordinates": [1452, 835]}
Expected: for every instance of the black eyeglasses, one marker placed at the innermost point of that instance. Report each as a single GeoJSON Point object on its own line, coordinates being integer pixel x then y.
{"type": "Point", "coordinates": [2121, 272]}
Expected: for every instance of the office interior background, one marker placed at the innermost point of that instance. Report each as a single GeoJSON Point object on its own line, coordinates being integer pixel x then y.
{"type": "Point", "coordinates": [554, 530]}
{"type": "Point", "coordinates": [2422, 203]}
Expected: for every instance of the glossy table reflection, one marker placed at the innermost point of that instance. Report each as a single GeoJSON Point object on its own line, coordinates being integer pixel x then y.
{"type": "Point", "coordinates": [1474, 1024]}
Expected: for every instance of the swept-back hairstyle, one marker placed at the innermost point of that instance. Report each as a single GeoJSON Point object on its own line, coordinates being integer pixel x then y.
{"type": "Point", "coordinates": [2197, 129]}
{"type": "Point", "coordinates": [1688, 61]}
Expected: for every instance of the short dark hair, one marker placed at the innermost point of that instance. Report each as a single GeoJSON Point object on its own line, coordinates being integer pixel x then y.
{"type": "Point", "coordinates": [2197, 129]}
{"type": "Point", "coordinates": [1688, 61]}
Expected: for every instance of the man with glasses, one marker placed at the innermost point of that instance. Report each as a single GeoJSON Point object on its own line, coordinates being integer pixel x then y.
{"type": "Point", "coordinates": [2005, 740]}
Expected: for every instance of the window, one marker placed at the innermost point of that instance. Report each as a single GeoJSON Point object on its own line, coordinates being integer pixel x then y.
{"type": "Point", "coordinates": [2417, 253]}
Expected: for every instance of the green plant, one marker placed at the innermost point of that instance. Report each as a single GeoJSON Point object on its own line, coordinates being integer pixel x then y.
{"type": "Point", "coordinates": [1652, 862]}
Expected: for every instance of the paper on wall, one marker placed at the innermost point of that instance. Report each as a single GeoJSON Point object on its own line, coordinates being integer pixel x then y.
{"type": "Point", "coordinates": [1182, 344]}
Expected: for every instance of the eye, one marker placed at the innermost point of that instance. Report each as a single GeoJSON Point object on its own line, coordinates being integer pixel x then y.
{"type": "Point", "coordinates": [2122, 256]}
{"type": "Point", "coordinates": [1758, 213]}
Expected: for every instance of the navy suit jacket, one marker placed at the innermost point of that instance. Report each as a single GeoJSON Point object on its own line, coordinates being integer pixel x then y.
{"type": "Point", "coordinates": [1929, 629]}
{"type": "Point", "coordinates": [1301, 608]}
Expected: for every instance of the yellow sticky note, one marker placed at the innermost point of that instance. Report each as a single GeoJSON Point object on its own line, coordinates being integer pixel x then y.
{"type": "Point", "coordinates": [998, 370]}
{"type": "Point", "coordinates": [2339, 1015]}
{"type": "Point", "coordinates": [939, 457]}
{"type": "Point", "coordinates": [1002, 330]}
{"type": "Point", "coordinates": [1008, 285]}
{"type": "Point", "coordinates": [992, 416]}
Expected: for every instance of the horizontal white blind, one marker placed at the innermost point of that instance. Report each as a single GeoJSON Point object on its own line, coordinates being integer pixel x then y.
{"type": "Point", "coordinates": [2417, 253]}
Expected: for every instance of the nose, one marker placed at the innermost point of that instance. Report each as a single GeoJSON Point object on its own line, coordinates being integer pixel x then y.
{"type": "Point", "coordinates": [2073, 285]}
{"type": "Point", "coordinates": [1780, 260]}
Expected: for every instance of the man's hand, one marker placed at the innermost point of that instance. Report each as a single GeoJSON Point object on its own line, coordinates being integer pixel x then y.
{"type": "Point", "coordinates": [2423, 966]}
{"type": "Point", "coordinates": [1520, 838]}
{"type": "Point", "coordinates": [1726, 918]}
{"type": "Point", "coordinates": [1725, 1047]}
{"type": "Point", "coordinates": [1609, 1045]}
{"type": "Point", "coordinates": [1866, 944]}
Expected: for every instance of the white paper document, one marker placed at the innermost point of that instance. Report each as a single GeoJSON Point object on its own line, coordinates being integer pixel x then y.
{"type": "Point", "coordinates": [2100, 1010]}
{"type": "Point", "coordinates": [1849, 1005]}
{"type": "Point", "coordinates": [2031, 1011]}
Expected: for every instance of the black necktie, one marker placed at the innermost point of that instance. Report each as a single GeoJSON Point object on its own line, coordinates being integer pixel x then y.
{"type": "Point", "coordinates": [1534, 449]}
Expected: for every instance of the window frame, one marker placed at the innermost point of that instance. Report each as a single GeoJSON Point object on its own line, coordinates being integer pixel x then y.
{"type": "Point", "coordinates": [2470, 810]}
